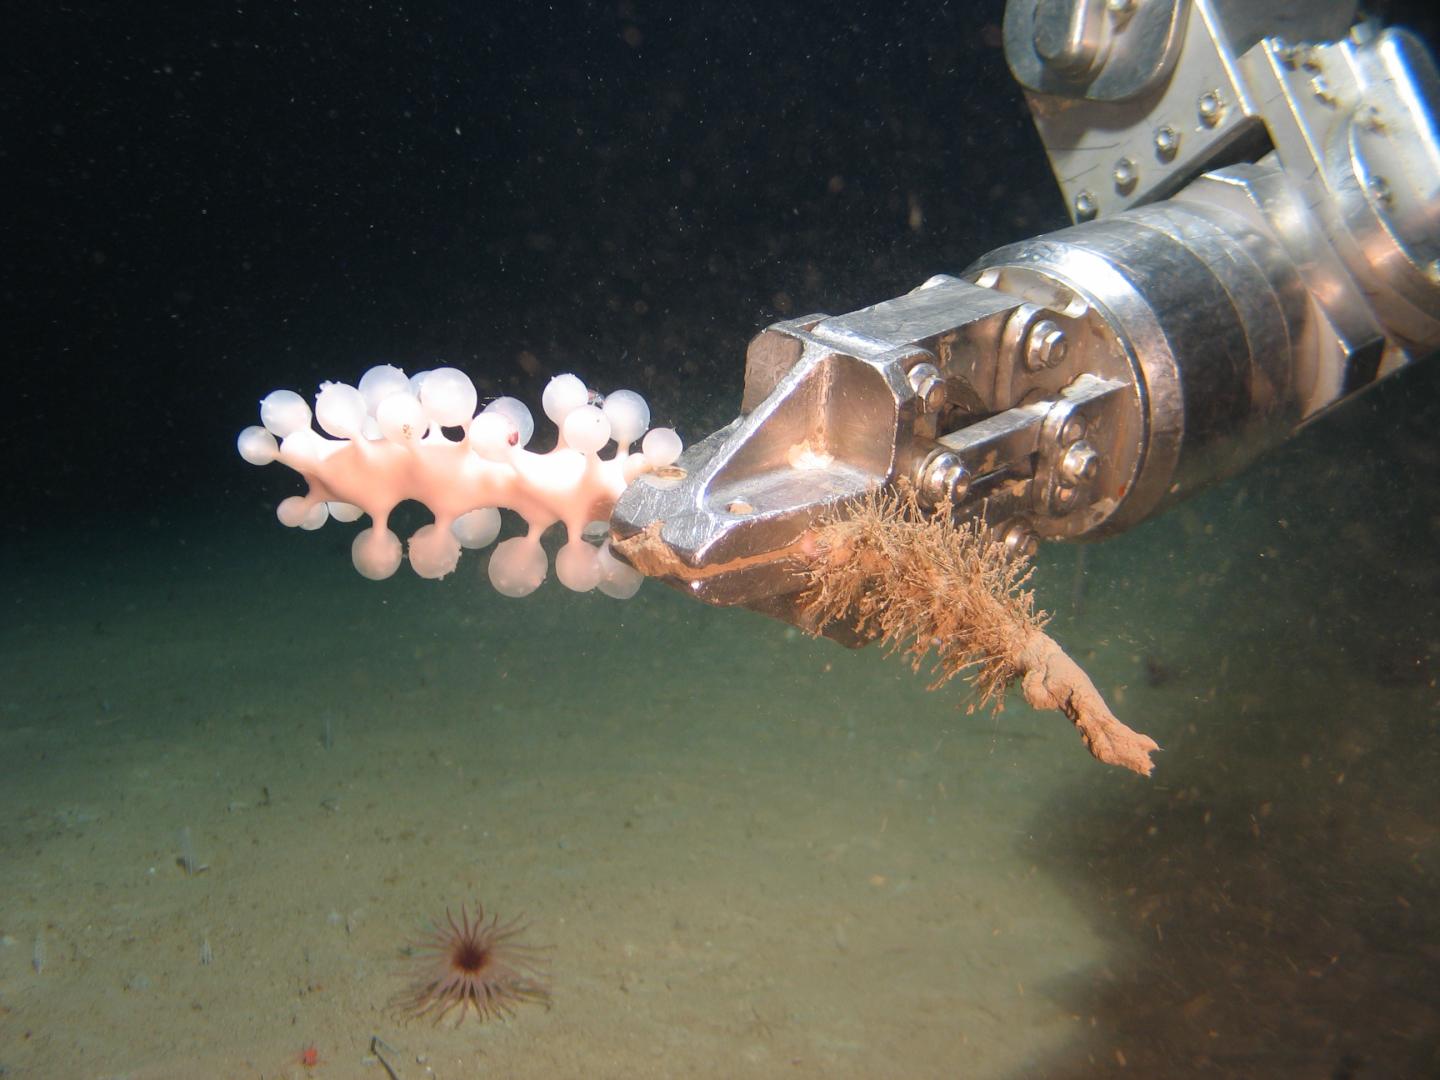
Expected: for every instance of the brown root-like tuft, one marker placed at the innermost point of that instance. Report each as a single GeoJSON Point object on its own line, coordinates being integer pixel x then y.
{"type": "Point", "coordinates": [922, 584]}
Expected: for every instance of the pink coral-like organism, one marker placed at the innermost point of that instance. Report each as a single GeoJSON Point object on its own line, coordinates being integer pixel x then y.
{"type": "Point", "coordinates": [396, 437]}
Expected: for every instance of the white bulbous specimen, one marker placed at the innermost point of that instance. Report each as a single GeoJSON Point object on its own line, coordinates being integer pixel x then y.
{"type": "Point", "coordinates": [283, 412]}
{"type": "Point", "coordinates": [402, 419]}
{"type": "Point", "coordinates": [563, 394]}
{"type": "Point", "coordinates": [662, 447]}
{"type": "Point", "coordinates": [586, 429]}
{"type": "Point", "coordinates": [434, 552]}
{"type": "Point", "coordinates": [519, 415]}
{"type": "Point", "coordinates": [628, 414]}
{"type": "Point", "coordinates": [493, 436]}
{"type": "Point", "coordinates": [257, 446]}
{"type": "Point", "coordinates": [517, 566]}
{"type": "Point", "coordinates": [380, 382]}
{"type": "Point", "coordinates": [478, 528]}
{"type": "Point", "coordinates": [448, 396]}
{"type": "Point", "coordinates": [376, 553]}
{"type": "Point", "coordinates": [340, 410]}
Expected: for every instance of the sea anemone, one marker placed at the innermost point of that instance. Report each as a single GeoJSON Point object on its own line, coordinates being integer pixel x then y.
{"type": "Point", "coordinates": [474, 964]}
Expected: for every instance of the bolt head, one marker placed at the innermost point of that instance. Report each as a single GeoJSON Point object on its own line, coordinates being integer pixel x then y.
{"type": "Point", "coordinates": [1125, 174]}
{"type": "Point", "coordinates": [929, 386]}
{"type": "Point", "coordinates": [1210, 108]}
{"type": "Point", "coordinates": [1167, 143]}
{"type": "Point", "coordinates": [1080, 463]}
{"type": "Point", "coordinates": [943, 479]}
{"type": "Point", "coordinates": [1045, 346]}
{"type": "Point", "coordinates": [1085, 206]}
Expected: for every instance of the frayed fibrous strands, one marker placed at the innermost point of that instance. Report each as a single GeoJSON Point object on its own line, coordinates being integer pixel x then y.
{"type": "Point", "coordinates": [924, 585]}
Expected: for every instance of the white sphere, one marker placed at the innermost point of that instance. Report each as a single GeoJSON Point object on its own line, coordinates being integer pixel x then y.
{"type": "Point", "coordinates": [628, 414]}
{"type": "Point", "coordinates": [284, 411]}
{"type": "Point", "coordinates": [257, 446]}
{"type": "Point", "coordinates": [380, 382]}
{"type": "Point", "coordinates": [493, 436]}
{"type": "Point", "coordinates": [577, 565]}
{"type": "Point", "coordinates": [448, 396]}
{"type": "Point", "coordinates": [586, 429]}
{"type": "Point", "coordinates": [303, 447]}
{"type": "Point", "coordinates": [315, 517]}
{"type": "Point", "coordinates": [343, 511]}
{"type": "Point", "coordinates": [292, 511]}
{"type": "Point", "coordinates": [402, 419]}
{"type": "Point", "coordinates": [563, 394]}
{"type": "Point", "coordinates": [478, 528]}
{"type": "Point", "coordinates": [662, 447]}
{"type": "Point", "coordinates": [340, 410]}
{"type": "Point", "coordinates": [376, 554]}
{"type": "Point", "coordinates": [517, 566]}
{"type": "Point", "coordinates": [618, 579]}
{"type": "Point", "coordinates": [519, 415]}
{"type": "Point", "coordinates": [434, 552]}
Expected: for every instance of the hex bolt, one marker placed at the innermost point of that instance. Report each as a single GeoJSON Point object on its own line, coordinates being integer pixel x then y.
{"type": "Point", "coordinates": [943, 479]}
{"type": "Point", "coordinates": [1073, 430]}
{"type": "Point", "coordinates": [1020, 541]}
{"type": "Point", "coordinates": [1167, 143]}
{"type": "Point", "coordinates": [929, 386]}
{"type": "Point", "coordinates": [1210, 107]}
{"type": "Point", "coordinates": [1124, 174]}
{"type": "Point", "coordinates": [1080, 463]}
{"type": "Point", "coordinates": [1085, 206]}
{"type": "Point", "coordinates": [1045, 346]}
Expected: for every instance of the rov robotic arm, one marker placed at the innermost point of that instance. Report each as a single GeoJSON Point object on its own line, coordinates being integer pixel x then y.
{"type": "Point", "coordinates": [1257, 198]}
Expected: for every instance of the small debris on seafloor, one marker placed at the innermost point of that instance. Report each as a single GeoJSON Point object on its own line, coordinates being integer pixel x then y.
{"type": "Point", "coordinates": [207, 955]}
{"type": "Point", "coordinates": [37, 954]}
{"type": "Point", "coordinates": [187, 859]}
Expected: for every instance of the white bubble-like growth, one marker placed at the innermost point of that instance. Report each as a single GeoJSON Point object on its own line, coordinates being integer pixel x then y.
{"type": "Point", "coordinates": [493, 436]}
{"type": "Point", "coordinates": [283, 412]}
{"type": "Point", "coordinates": [628, 414]}
{"type": "Point", "coordinates": [448, 396]}
{"type": "Point", "coordinates": [380, 382]}
{"type": "Point", "coordinates": [586, 429]}
{"type": "Point", "coordinates": [518, 414]}
{"type": "Point", "coordinates": [340, 410]}
{"type": "Point", "coordinates": [402, 418]}
{"type": "Point", "coordinates": [345, 512]}
{"type": "Point", "coordinates": [617, 579]}
{"type": "Point", "coordinates": [257, 446]}
{"type": "Point", "coordinates": [517, 566]}
{"type": "Point", "coordinates": [478, 528]}
{"type": "Point", "coordinates": [434, 552]}
{"type": "Point", "coordinates": [304, 446]}
{"type": "Point", "coordinates": [292, 511]}
{"type": "Point", "coordinates": [563, 394]}
{"type": "Point", "coordinates": [376, 553]}
{"type": "Point", "coordinates": [662, 447]}
{"type": "Point", "coordinates": [577, 565]}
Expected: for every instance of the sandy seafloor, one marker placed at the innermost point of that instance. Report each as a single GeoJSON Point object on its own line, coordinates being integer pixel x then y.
{"type": "Point", "coordinates": [753, 854]}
